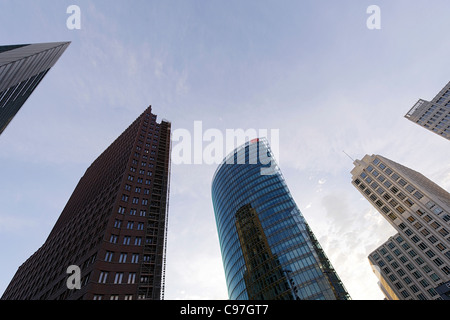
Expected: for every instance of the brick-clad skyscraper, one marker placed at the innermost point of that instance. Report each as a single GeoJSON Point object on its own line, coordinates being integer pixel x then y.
{"type": "Point", "coordinates": [113, 226]}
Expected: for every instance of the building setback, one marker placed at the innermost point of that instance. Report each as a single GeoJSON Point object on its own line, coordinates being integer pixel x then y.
{"type": "Point", "coordinates": [433, 115]}
{"type": "Point", "coordinates": [414, 262]}
{"type": "Point", "coordinates": [22, 68]}
{"type": "Point", "coordinates": [268, 250]}
{"type": "Point", "coordinates": [113, 227]}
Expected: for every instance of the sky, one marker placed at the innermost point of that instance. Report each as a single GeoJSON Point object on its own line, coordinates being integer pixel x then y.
{"type": "Point", "coordinates": [312, 70]}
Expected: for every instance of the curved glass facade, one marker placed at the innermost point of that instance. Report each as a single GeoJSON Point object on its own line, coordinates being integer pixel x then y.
{"type": "Point", "coordinates": [268, 250]}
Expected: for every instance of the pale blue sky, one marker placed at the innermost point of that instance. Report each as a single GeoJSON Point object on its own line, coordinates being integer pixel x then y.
{"type": "Point", "coordinates": [311, 69]}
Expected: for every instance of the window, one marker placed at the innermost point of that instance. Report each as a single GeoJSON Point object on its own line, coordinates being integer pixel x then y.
{"type": "Point", "coordinates": [131, 277]}
{"type": "Point", "coordinates": [117, 223]}
{"type": "Point", "coordinates": [118, 278]}
{"type": "Point", "coordinates": [126, 240]}
{"type": "Point", "coordinates": [113, 238]}
{"type": "Point", "coordinates": [418, 195]}
{"type": "Point", "coordinates": [123, 258]}
{"type": "Point", "coordinates": [400, 209]}
{"type": "Point", "coordinates": [435, 225]}
{"type": "Point", "coordinates": [135, 258]}
{"type": "Point", "coordinates": [138, 241]}
{"type": "Point", "coordinates": [401, 196]}
{"type": "Point", "coordinates": [109, 256]}
{"type": "Point", "coordinates": [103, 277]}
{"type": "Point", "coordinates": [130, 225]}
{"type": "Point", "coordinates": [140, 226]}
{"type": "Point", "coordinates": [409, 202]}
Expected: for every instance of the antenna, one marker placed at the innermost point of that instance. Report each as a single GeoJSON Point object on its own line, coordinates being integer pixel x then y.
{"type": "Point", "coordinates": [348, 155]}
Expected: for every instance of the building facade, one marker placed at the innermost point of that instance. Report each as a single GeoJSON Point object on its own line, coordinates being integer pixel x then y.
{"type": "Point", "coordinates": [268, 250]}
{"type": "Point", "coordinates": [113, 227]}
{"type": "Point", "coordinates": [433, 115]}
{"type": "Point", "coordinates": [414, 262]}
{"type": "Point", "coordinates": [22, 68]}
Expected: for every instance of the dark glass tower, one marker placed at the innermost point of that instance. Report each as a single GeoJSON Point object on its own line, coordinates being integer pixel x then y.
{"type": "Point", "coordinates": [22, 67]}
{"type": "Point", "coordinates": [268, 250]}
{"type": "Point", "coordinates": [113, 227]}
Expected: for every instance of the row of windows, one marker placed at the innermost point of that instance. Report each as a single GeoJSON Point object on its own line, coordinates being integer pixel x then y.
{"type": "Point", "coordinates": [123, 257]}
{"type": "Point", "coordinates": [130, 224]}
{"type": "Point", "coordinates": [132, 212]}
{"type": "Point", "coordinates": [139, 180]}
{"type": "Point", "coordinates": [126, 240]}
{"type": "Point", "coordinates": [135, 200]}
{"type": "Point", "coordinates": [120, 278]}
{"type": "Point", "coordinates": [115, 297]}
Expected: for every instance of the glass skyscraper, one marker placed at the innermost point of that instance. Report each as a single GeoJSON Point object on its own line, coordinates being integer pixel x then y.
{"type": "Point", "coordinates": [268, 250]}
{"type": "Point", "coordinates": [22, 67]}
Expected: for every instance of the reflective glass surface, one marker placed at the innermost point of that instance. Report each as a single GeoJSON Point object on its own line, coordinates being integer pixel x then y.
{"type": "Point", "coordinates": [268, 250]}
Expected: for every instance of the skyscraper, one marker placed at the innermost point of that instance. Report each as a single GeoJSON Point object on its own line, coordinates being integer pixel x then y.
{"type": "Point", "coordinates": [22, 67]}
{"type": "Point", "coordinates": [268, 250]}
{"type": "Point", "coordinates": [433, 115]}
{"type": "Point", "coordinates": [113, 227]}
{"type": "Point", "coordinates": [415, 261]}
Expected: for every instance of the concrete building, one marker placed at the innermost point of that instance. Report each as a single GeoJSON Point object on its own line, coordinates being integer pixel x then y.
{"type": "Point", "coordinates": [433, 115]}
{"type": "Point", "coordinates": [414, 262]}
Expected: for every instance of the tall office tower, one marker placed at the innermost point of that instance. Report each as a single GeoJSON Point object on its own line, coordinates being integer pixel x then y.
{"type": "Point", "coordinates": [113, 227]}
{"type": "Point", "coordinates": [268, 250]}
{"type": "Point", "coordinates": [416, 260]}
{"type": "Point", "coordinates": [22, 67]}
{"type": "Point", "coordinates": [433, 115]}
